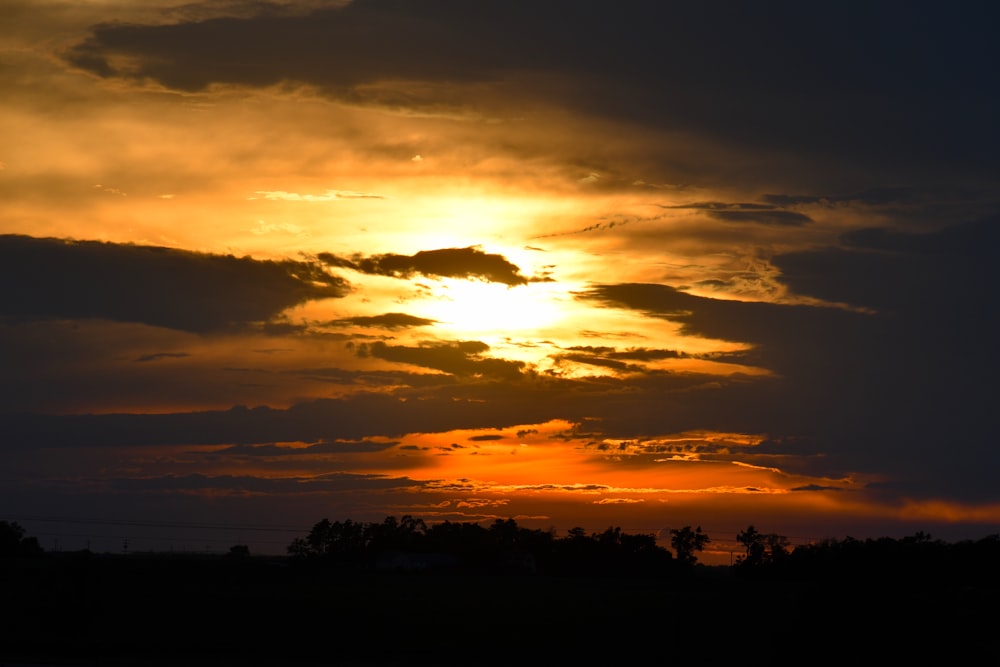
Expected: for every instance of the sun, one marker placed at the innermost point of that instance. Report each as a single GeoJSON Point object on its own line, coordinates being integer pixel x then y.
{"type": "Point", "coordinates": [476, 308]}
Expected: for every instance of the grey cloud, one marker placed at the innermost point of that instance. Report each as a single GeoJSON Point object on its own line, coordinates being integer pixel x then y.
{"type": "Point", "coordinates": [770, 217]}
{"type": "Point", "coordinates": [782, 334]}
{"type": "Point", "coordinates": [816, 487]}
{"type": "Point", "coordinates": [901, 390]}
{"type": "Point", "coordinates": [375, 378]}
{"type": "Point", "coordinates": [329, 447]}
{"type": "Point", "coordinates": [739, 212]}
{"type": "Point", "coordinates": [429, 409]}
{"type": "Point", "coordinates": [633, 353]}
{"type": "Point", "coordinates": [469, 263]}
{"type": "Point", "coordinates": [865, 83]}
{"type": "Point", "coordinates": [950, 269]}
{"type": "Point", "coordinates": [462, 358]}
{"type": "Point", "coordinates": [247, 484]}
{"type": "Point", "coordinates": [199, 11]}
{"type": "Point", "coordinates": [596, 360]}
{"type": "Point", "coordinates": [643, 354]}
{"type": "Point", "coordinates": [44, 278]}
{"type": "Point", "coordinates": [161, 355]}
{"type": "Point", "coordinates": [637, 353]}
{"type": "Point", "coordinates": [880, 196]}
{"type": "Point", "coordinates": [386, 321]}
{"type": "Point", "coordinates": [356, 418]}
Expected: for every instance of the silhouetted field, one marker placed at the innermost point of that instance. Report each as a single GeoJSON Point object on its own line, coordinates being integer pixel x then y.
{"type": "Point", "coordinates": [147, 609]}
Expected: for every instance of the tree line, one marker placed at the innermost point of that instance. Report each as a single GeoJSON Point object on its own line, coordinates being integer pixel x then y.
{"type": "Point", "coordinates": [409, 543]}
{"type": "Point", "coordinates": [915, 558]}
{"type": "Point", "coordinates": [505, 545]}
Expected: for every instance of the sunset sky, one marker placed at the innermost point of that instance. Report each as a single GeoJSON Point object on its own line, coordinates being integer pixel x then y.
{"type": "Point", "coordinates": [575, 263]}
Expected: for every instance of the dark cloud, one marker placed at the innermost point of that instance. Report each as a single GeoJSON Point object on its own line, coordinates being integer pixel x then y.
{"type": "Point", "coordinates": [46, 278]}
{"type": "Point", "coordinates": [816, 487]}
{"type": "Point", "coordinates": [247, 484]}
{"type": "Point", "coordinates": [869, 83]}
{"type": "Point", "coordinates": [161, 355]}
{"type": "Point", "coordinates": [332, 447]}
{"type": "Point", "coordinates": [769, 217]}
{"type": "Point", "coordinates": [783, 335]}
{"type": "Point", "coordinates": [469, 263]}
{"type": "Point", "coordinates": [901, 389]}
{"type": "Point", "coordinates": [950, 270]}
{"type": "Point", "coordinates": [374, 378]}
{"type": "Point", "coordinates": [879, 196]}
{"type": "Point", "coordinates": [596, 360]}
{"type": "Point", "coordinates": [390, 321]}
{"type": "Point", "coordinates": [360, 417]}
{"type": "Point", "coordinates": [462, 358]}
{"type": "Point", "coordinates": [631, 354]}
{"type": "Point", "coordinates": [763, 214]}
{"type": "Point", "coordinates": [643, 354]}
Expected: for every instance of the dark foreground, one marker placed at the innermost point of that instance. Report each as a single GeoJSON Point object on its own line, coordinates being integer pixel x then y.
{"type": "Point", "coordinates": [157, 611]}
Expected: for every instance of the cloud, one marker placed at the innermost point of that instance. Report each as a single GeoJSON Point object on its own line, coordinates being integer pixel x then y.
{"type": "Point", "coordinates": [778, 330]}
{"type": "Point", "coordinates": [897, 389]}
{"type": "Point", "coordinates": [241, 484]}
{"type": "Point", "coordinates": [469, 263]}
{"type": "Point", "coordinates": [45, 278]}
{"type": "Point", "coordinates": [462, 358]}
{"type": "Point", "coordinates": [360, 417]}
{"type": "Point", "coordinates": [387, 321]}
{"type": "Point", "coordinates": [897, 270]}
{"type": "Point", "coordinates": [881, 196]}
{"type": "Point", "coordinates": [644, 354]}
{"type": "Point", "coordinates": [596, 360]}
{"type": "Point", "coordinates": [863, 84]}
{"type": "Point", "coordinates": [111, 191]}
{"type": "Point", "coordinates": [748, 212]}
{"type": "Point", "coordinates": [329, 195]}
{"type": "Point", "coordinates": [329, 447]}
{"type": "Point", "coordinates": [161, 355]}
{"type": "Point", "coordinates": [374, 378]}
{"type": "Point", "coordinates": [816, 487]}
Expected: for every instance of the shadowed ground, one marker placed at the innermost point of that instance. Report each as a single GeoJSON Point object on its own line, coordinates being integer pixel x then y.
{"type": "Point", "coordinates": [159, 611]}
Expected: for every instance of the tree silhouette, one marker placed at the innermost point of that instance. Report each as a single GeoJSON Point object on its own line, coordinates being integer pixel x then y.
{"type": "Point", "coordinates": [341, 541]}
{"type": "Point", "coordinates": [238, 552]}
{"type": "Point", "coordinates": [764, 551]}
{"type": "Point", "coordinates": [502, 546]}
{"type": "Point", "coordinates": [405, 534]}
{"type": "Point", "coordinates": [686, 542]}
{"type": "Point", "coordinates": [753, 543]}
{"type": "Point", "coordinates": [13, 543]}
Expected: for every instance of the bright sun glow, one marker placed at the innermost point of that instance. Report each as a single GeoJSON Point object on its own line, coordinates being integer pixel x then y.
{"type": "Point", "coordinates": [470, 307]}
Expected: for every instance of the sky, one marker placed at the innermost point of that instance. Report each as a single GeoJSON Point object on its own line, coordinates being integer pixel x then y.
{"type": "Point", "coordinates": [576, 263]}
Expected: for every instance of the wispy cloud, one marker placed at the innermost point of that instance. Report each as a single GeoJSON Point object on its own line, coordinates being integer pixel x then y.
{"type": "Point", "coordinates": [329, 195]}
